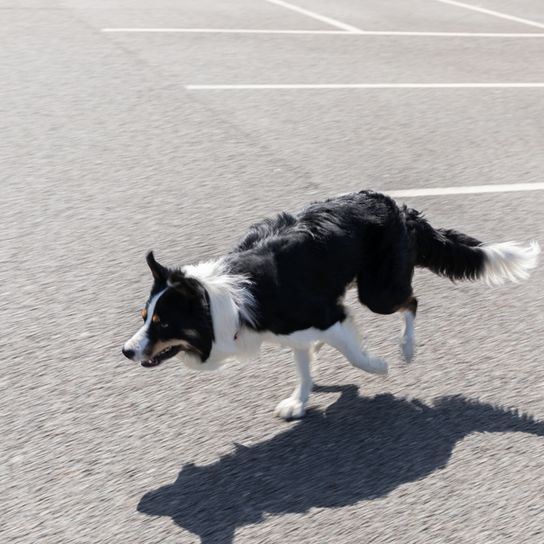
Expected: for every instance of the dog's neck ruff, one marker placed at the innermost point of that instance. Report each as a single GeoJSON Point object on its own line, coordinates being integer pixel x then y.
{"type": "Point", "coordinates": [232, 307]}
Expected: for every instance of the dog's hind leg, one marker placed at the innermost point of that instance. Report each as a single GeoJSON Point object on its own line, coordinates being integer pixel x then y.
{"type": "Point", "coordinates": [294, 406]}
{"type": "Point", "coordinates": [407, 343]}
{"type": "Point", "coordinates": [343, 336]}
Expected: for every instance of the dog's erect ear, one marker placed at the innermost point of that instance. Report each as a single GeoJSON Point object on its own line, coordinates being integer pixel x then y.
{"type": "Point", "coordinates": [188, 287]}
{"type": "Point", "coordinates": [160, 273]}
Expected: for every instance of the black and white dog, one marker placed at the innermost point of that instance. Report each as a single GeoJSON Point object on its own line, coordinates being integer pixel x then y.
{"type": "Point", "coordinates": [286, 279]}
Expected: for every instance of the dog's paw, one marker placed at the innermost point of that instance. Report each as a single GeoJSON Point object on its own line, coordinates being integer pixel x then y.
{"type": "Point", "coordinates": [374, 365]}
{"type": "Point", "coordinates": [377, 365]}
{"type": "Point", "coordinates": [290, 409]}
{"type": "Point", "coordinates": [407, 348]}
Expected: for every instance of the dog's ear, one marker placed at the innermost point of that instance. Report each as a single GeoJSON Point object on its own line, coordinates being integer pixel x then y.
{"type": "Point", "coordinates": [188, 287]}
{"type": "Point", "coordinates": [160, 273]}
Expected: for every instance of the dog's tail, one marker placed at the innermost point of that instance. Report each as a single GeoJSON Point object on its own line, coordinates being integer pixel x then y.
{"type": "Point", "coordinates": [460, 257]}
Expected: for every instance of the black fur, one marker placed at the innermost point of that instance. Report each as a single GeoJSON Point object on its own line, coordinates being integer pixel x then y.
{"type": "Point", "coordinates": [300, 265]}
{"type": "Point", "coordinates": [446, 252]}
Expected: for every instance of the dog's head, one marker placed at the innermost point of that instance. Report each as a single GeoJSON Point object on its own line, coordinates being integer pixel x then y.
{"type": "Point", "coordinates": [176, 318]}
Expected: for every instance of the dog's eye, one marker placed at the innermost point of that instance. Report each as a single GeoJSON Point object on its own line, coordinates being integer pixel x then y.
{"type": "Point", "coordinates": [164, 325]}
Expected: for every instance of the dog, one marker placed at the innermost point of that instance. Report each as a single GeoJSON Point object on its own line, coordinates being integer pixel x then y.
{"type": "Point", "coordinates": [285, 282]}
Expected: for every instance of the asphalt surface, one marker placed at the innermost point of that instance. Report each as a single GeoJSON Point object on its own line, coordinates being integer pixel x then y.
{"type": "Point", "coordinates": [104, 155]}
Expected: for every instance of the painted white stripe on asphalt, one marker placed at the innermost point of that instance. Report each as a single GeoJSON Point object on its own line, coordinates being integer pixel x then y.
{"type": "Point", "coordinates": [467, 190]}
{"type": "Point", "coordinates": [499, 14]}
{"type": "Point", "coordinates": [282, 86]}
{"type": "Point", "coordinates": [229, 31]}
{"type": "Point", "coordinates": [317, 16]}
{"type": "Point", "coordinates": [331, 32]}
{"type": "Point", "coordinates": [447, 34]}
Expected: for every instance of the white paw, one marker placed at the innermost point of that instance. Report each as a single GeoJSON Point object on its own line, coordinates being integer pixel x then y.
{"type": "Point", "coordinates": [374, 365]}
{"type": "Point", "coordinates": [408, 348]}
{"type": "Point", "coordinates": [290, 409]}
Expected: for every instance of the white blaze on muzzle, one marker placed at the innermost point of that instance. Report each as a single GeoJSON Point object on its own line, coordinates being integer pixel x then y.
{"type": "Point", "coordinates": [139, 343]}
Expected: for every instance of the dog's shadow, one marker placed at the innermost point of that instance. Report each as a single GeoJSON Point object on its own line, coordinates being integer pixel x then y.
{"type": "Point", "coordinates": [359, 448]}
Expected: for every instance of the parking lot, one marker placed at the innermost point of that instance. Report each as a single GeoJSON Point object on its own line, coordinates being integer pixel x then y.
{"type": "Point", "coordinates": [172, 126]}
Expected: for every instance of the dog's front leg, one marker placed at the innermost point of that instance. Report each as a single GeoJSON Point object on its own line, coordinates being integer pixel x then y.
{"type": "Point", "coordinates": [294, 406]}
{"type": "Point", "coordinates": [343, 337]}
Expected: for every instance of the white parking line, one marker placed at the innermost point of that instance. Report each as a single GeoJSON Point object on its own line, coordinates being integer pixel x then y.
{"type": "Point", "coordinates": [449, 34]}
{"type": "Point", "coordinates": [467, 190]}
{"type": "Point", "coordinates": [255, 87]}
{"type": "Point", "coordinates": [317, 16]}
{"type": "Point", "coordinates": [230, 31]}
{"type": "Point", "coordinates": [331, 32]}
{"type": "Point", "coordinates": [492, 12]}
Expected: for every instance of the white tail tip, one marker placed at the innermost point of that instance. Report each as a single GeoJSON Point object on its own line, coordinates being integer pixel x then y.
{"type": "Point", "coordinates": [508, 261]}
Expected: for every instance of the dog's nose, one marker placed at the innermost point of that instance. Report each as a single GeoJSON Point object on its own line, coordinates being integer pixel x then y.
{"type": "Point", "coordinates": [128, 353]}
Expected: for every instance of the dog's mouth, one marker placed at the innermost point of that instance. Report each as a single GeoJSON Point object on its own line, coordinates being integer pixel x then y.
{"type": "Point", "coordinates": [161, 356]}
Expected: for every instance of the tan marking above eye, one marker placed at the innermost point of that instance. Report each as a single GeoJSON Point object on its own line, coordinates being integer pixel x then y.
{"type": "Point", "coordinates": [143, 313]}
{"type": "Point", "coordinates": [156, 319]}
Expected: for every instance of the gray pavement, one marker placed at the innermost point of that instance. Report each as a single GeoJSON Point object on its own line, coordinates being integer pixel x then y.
{"type": "Point", "coordinates": [104, 154]}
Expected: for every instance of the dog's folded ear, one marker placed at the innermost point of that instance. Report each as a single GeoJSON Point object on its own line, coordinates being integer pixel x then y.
{"type": "Point", "coordinates": [188, 287]}
{"type": "Point", "coordinates": [160, 273]}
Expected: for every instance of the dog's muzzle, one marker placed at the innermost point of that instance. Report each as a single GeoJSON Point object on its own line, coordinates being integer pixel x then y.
{"type": "Point", "coordinates": [151, 361]}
